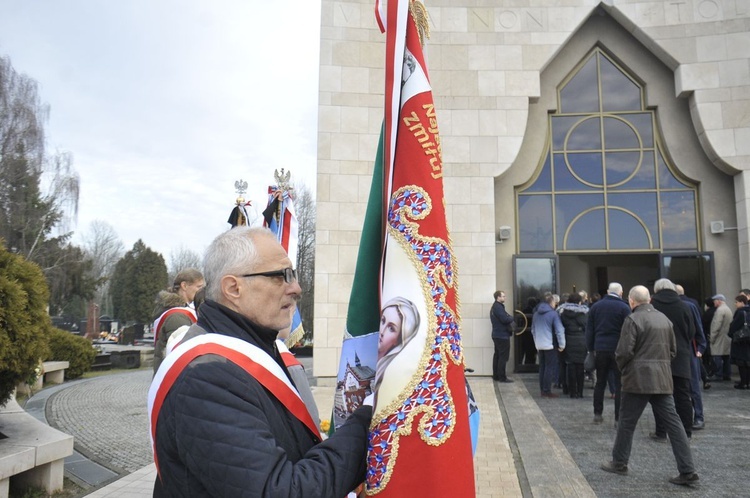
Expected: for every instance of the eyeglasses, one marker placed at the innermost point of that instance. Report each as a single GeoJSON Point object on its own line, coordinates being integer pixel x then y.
{"type": "Point", "coordinates": [289, 274]}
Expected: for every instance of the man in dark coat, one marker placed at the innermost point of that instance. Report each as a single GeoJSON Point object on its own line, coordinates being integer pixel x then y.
{"type": "Point", "coordinates": [697, 374]}
{"type": "Point", "coordinates": [602, 333]}
{"type": "Point", "coordinates": [502, 331]}
{"type": "Point", "coordinates": [646, 346]}
{"type": "Point", "coordinates": [226, 419]}
{"type": "Point", "coordinates": [666, 300]}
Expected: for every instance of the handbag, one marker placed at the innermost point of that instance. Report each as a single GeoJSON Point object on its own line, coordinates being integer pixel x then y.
{"type": "Point", "coordinates": [589, 364]}
{"type": "Point", "coordinates": [742, 336]}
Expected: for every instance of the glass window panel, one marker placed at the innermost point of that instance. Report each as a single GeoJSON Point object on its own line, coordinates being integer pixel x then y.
{"type": "Point", "coordinates": [621, 165]}
{"type": "Point", "coordinates": [534, 277]}
{"type": "Point", "coordinates": [580, 94]}
{"type": "Point", "coordinates": [619, 93]}
{"type": "Point", "coordinates": [567, 207]}
{"type": "Point", "coordinates": [543, 182]}
{"type": "Point", "coordinates": [535, 223]}
{"type": "Point", "coordinates": [586, 135]}
{"type": "Point", "coordinates": [587, 233]}
{"type": "Point", "coordinates": [560, 127]}
{"type": "Point", "coordinates": [644, 124]}
{"type": "Point", "coordinates": [618, 135]}
{"type": "Point", "coordinates": [678, 220]}
{"type": "Point", "coordinates": [666, 177]}
{"type": "Point", "coordinates": [625, 232]}
{"type": "Point", "coordinates": [645, 178]}
{"type": "Point", "coordinates": [622, 225]}
{"type": "Point", "coordinates": [693, 272]}
{"type": "Point", "coordinates": [587, 166]}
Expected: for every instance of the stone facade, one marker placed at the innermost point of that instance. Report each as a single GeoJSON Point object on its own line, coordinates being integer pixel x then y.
{"type": "Point", "coordinates": [486, 60]}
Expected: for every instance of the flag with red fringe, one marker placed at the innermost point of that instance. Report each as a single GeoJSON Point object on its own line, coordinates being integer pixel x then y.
{"type": "Point", "coordinates": [420, 443]}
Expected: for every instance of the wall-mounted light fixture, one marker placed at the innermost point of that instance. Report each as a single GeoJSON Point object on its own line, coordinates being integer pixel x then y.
{"type": "Point", "coordinates": [717, 227]}
{"type": "Point", "coordinates": [503, 234]}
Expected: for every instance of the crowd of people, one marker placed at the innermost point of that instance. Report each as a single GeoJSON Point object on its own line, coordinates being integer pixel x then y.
{"type": "Point", "coordinates": [661, 349]}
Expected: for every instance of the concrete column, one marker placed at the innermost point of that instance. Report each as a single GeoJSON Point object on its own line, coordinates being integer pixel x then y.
{"type": "Point", "coordinates": [48, 476]}
{"type": "Point", "coordinates": [742, 199]}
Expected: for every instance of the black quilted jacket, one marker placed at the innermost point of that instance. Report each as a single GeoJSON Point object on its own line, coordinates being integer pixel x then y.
{"type": "Point", "coordinates": [220, 433]}
{"type": "Point", "coordinates": [573, 317]}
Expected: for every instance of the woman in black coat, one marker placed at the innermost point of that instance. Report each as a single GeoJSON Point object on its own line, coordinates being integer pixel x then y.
{"type": "Point", "coordinates": [740, 352]}
{"type": "Point", "coordinates": [573, 315]}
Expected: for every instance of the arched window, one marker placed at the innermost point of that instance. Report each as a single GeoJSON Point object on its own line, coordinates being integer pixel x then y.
{"type": "Point", "coordinates": [604, 183]}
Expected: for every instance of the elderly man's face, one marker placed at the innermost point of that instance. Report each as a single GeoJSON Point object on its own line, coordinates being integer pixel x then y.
{"type": "Point", "coordinates": [269, 301]}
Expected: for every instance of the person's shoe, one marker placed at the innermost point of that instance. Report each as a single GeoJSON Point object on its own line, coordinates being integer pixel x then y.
{"type": "Point", "coordinates": [598, 419]}
{"type": "Point", "coordinates": [617, 468]}
{"type": "Point", "coordinates": [550, 395]}
{"type": "Point", "coordinates": [506, 381]}
{"type": "Point", "coordinates": [657, 437]}
{"type": "Point", "coordinates": [740, 386]}
{"type": "Point", "coordinates": [698, 425]}
{"type": "Point", "coordinates": [706, 385]}
{"type": "Point", "coordinates": [685, 479]}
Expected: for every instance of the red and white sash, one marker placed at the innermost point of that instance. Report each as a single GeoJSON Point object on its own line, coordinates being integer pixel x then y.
{"type": "Point", "coordinates": [289, 359]}
{"type": "Point", "coordinates": [185, 310]}
{"type": "Point", "coordinates": [256, 362]}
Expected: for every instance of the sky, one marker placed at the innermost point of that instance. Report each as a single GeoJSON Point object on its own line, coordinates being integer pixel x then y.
{"type": "Point", "coordinates": [164, 104]}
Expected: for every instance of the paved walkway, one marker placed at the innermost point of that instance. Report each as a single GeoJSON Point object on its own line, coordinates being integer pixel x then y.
{"type": "Point", "coordinates": [528, 446]}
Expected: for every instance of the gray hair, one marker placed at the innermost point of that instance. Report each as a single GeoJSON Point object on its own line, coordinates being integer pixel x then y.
{"type": "Point", "coordinates": [614, 288]}
{"type": "Point", "coordinates": [664, 283]}
{"type": "Point", "coordinates": [233, 252]}
{"type": "Point", "coordinates": [639, 294]}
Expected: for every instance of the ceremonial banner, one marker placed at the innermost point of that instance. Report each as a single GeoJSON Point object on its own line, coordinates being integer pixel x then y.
{"type": "Point", "coordinates": [279, 216]}
{"type": "Point", "coordinates": [420, 442]}
{"type": "Point", "coordinates": [239, 216]}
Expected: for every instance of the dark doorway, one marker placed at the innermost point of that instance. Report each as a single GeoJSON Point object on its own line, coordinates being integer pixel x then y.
{"type": "Point", "coordinates": [533, 276]}
{"type": "Point", "coordinates": [594, 272]}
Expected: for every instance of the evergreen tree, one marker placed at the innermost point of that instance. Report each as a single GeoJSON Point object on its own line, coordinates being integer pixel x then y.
{"type": "Point", "coordinates": [24, 322]}
{"type": "Point", "coordinates": [137, 278]}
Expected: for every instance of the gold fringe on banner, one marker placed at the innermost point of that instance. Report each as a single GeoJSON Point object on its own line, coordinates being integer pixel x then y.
{"type": "Point", "coordinates": [295, 337]}
{"type": "Point", "coordinates": [419, 13]}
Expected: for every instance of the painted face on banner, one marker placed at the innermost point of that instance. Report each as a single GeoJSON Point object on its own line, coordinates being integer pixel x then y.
{"type": "Point", "coordinates": [390, 330]}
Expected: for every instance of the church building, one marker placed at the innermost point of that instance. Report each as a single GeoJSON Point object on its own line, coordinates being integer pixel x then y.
{"type": "Point", "coordinates": [583, 142]}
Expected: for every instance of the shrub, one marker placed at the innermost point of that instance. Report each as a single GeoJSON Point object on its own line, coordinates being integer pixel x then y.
{"type": "Point", "coordinates": [76, 350]}
{"type": "Point", "coordinates": [24, 322]}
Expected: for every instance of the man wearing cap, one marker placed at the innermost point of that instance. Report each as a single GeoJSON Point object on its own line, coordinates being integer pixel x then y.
{"type": "Point", "coordinates": [720, 341]}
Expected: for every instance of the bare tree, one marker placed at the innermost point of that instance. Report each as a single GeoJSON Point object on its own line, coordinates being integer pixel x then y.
{"type": "Point", "coordinates": [38, 192]}
{"type": "Point", "coordinates": [304, 204]}
{"type": "Point", "coordinates": [182, 258]}
{"type": "Point", "coordinates": [104, 247]}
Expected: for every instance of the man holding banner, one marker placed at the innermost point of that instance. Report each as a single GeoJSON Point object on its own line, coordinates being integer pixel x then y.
{"type": "Point", "coordinates": [226, 420]}
{"type": "Point", "coordinates": [404, 301]}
